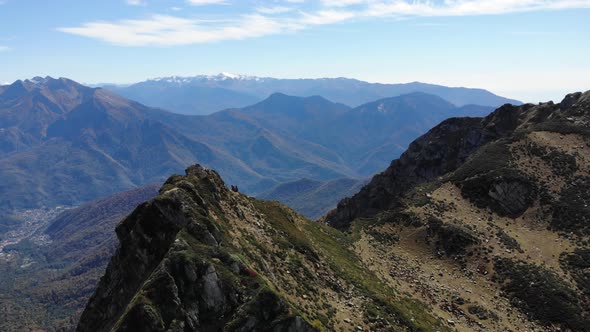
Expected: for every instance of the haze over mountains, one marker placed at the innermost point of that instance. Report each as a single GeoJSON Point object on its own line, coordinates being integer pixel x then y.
{"type": "Point", "coordinates": [63, 143]}
{"type": "Point", "coordinates": [205, 94]}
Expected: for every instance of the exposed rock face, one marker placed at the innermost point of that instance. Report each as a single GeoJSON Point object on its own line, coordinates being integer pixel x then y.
{"type": "Point", "coordinates": [509, 194]}
{"type": "Point", "coordinates": [202, 257]}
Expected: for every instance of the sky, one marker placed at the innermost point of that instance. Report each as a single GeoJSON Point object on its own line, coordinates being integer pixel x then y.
{"type": "Point", "coordinates": [531, 50]}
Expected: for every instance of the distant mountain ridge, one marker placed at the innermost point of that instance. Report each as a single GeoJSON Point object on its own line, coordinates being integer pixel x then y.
{"type": "Point", "coordinates": [62, 143]}
{"type": "Point", "coordinates": [205, 94]}
{"type": "Point", "coordinates": [85, 143]}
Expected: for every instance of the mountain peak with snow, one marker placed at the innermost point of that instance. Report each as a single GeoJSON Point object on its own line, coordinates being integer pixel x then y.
{"type": "Point", "coordinates": [223, 76]}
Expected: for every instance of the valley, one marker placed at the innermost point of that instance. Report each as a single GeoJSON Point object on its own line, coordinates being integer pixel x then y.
{"type": "Point", "coordinates": [51, 262]}
{"type": "Point", "coordinates": [29, 223]}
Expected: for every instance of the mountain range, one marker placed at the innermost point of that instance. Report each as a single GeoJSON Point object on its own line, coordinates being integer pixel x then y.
{"type": "Point", "coordinates": [62, 143]}
{"type": "Point", "coordinates": [205, 94]}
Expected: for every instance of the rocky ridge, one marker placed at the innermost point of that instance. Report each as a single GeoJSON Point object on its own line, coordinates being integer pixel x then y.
{"type": "Point", "coordinates": [202, 257]}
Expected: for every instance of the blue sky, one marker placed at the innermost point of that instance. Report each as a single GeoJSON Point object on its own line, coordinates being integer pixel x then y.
{"type": "Point", "coordinates": [531, 50]}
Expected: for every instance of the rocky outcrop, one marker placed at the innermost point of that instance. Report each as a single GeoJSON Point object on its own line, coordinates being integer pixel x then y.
{"type": "Point", "coordinates": [506, 192]}
{"type": "Point", "coordinates": [157, 282]}
{"type": "Point", "coordinates": [451, 240]}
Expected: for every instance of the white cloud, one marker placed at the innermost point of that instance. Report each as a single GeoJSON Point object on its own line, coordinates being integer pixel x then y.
{"type": "Point", "coordinates": [326, 17]}
{"type": "Point", "coordinates": [4, 48]}
{"type": "Point", "coordinates": [165, 30]}
{"type": "Point", "coordinates": [206, 2]}
{"type": "Point", "coordinates": [466, 7]}
{"type": "Point", "coordinates": [136, 2]}
{"type": "Point", "coordinates": [274, 10]}
{"type": "Point", "coordinates": [343, 3]}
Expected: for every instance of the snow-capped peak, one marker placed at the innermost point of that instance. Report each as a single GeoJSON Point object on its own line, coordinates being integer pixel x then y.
{"type": "Point", "coordinates": [230, 75]}
{"type": "Point", "coordinates": [224, 76]}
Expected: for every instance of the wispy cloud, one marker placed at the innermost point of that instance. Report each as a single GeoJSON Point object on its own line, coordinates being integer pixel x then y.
{"type": "Point", "coordinates": [4, 48]}
{"type": "Point", "coordinates": [136, 2]}
{"type": "Point", "coordinates": [206, 2]}
{"type": "Point", "coordinates": [165, 30]}
{"type": "Point", "coordinates": [466, 7]}
{"type": "Point", "coordinates": [274, 10]}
